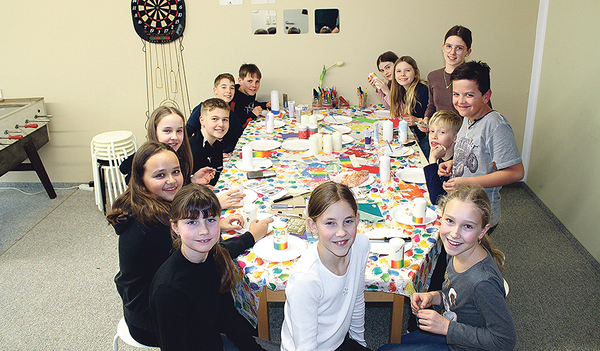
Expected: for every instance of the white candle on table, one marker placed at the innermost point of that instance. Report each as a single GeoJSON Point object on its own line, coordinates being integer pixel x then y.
{"type": "Point", "coordinates": [275, 101]}
{"type": "Point", "coordinates": [313, 144]}
{"type": "Point", "coordinates": [403, 131]}
{"type": "Point", "coordinates": [250, 214]}
{"type": "Point", "coordinates": [388, 130]}
{"type": "Point", "coordinates": [396, 253]}
{"type": "Point", "coordinates": [384, 168]}
{"type": "Point", "coordinates": [304, 119]}
{"type": "Point", "coordinates": [247, 162]}
{"type": "Point", "coordinates": [312, 119]}
{"type": "Point", "coordinates": [270, 122]}
{"type": "Point", "coordinates": [337, 141]}
{"type": "Point", "coordinates": [419, 209]}
{"type": "Point", "coordinates": [320, 141]}
{"type": "Point", "coordinates": [327, 144]}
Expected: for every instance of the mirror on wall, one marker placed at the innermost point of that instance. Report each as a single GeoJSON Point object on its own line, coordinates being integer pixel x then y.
{"type": "Point", "coordinates": [327, 21]}
{"type": "Point", "coordinates": [264, 22]}
{"type": "Point", "coordinates": [295, 21]}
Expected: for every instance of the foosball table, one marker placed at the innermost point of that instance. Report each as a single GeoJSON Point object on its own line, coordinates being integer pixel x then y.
{"type": "Point", "coordinates": [23, 131]}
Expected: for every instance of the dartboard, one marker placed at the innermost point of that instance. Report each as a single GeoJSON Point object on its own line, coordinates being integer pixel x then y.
{"type": "Point", "coordinates": [158, 21]}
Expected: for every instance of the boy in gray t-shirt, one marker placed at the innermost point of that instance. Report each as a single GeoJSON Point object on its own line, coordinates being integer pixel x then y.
{"type": "Point", "coordinates": [486, 152]}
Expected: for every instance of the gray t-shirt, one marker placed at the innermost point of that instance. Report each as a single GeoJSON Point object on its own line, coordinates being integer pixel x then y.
{"type": "Point", "coordinates": [475, 303]}
{"type": "Point", "coordinates": [484, 147]}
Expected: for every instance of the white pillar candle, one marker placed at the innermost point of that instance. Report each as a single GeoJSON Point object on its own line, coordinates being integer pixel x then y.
{"type": "Point", "coordinates": [337, 141]}
{"type": "Point", "coordinates": [275, 101]}
{"type": "Point", "coordinates": [403, 131]}
{"type": "Point", "coordinates": [247, 158]}
{"type": "Point", "coordinates": [396, 253]}
{"type": "Point", "coordinates": [419, 209]}
{"type": "Point", "coordinates": [388, 130]}
{"type": "Point", "coordinates": [270, 122]}
{"type": "Point", "coordinates": [249, 212]}
{"type": "Point", "coordinates": [320, 141]}
{"type": "Point", "coordinates": [384, 168]}
{"type": "Point", "coordinates": [312, 119]}
{"type": "Point", "coordinates": [327, 144]}
{"type": "Point", "coordinates": [304, 119]}
{"type": "Point", "coordinates": [313, 144]}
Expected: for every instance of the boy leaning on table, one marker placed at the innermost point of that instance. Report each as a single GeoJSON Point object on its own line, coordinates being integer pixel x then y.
{"type": "Point", "coordinates": [224, 88]}
{"type": "Point", "coordinates": [206, 144]}
{"type": "Point", "coordinates": [244, 102]}
{"type": "Point", "coordinates": [485, 152]}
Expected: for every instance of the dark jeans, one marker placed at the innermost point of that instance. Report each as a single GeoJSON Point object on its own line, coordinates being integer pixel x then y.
{"type": "Point", "coordinates": [419, 341]}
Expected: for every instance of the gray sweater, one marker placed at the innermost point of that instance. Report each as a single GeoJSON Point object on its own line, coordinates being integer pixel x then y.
{"type": "Point", "coordinates": [476, 305]}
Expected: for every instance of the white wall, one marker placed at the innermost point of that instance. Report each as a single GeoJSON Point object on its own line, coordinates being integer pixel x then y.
{"type": "Point", "coordinates": [85, 59]}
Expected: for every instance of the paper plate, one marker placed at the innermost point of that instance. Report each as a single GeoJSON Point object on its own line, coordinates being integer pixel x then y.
{"type": "Point", "coordinates": [338, 119]}
{"type": "Point", "coordinates": [382, 113]}
{"type": "Point", "coordinates": [397, 151]}
{"type": "Point", "coordinates": [411, 175]}
{"type": "Point", "coordinates": [347, 139]}
{"type": "Point", "coordinates": [265, 249]}
{"type": "Point", "coordinates": [403, 213]}
{"type": "Point", "coordinates": [265, 145]}
{"type": "Point", "coordinates": [258, 164]}
{"type": "Point", "coordinates": [384, 248]}
{"type": "Point", "coordinates": [369, 181]}
{"type": "Point", "coordinates": [278, 123]}
{"type": "Point", "coordinates": [295, 144]}
{"type": "Point", "coordinates": [342, 129]}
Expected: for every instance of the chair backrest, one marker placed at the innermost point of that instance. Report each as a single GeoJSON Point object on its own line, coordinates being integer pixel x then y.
{"type": "Point", "coordinates": [123, 334]}
{"type": "Point", "coordinates": [506, 287]}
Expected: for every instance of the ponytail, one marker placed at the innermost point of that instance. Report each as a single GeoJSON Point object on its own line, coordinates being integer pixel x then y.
{"type": "Point", "coordinates": [497, 255]}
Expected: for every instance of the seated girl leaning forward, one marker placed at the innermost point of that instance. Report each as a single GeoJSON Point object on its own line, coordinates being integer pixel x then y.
{"type": "Point", "coordinates": [325, 302]}
{"type": "Point", "coordinates": [190, 296]}
{"type": "Point", "coordinates": [475, 315]}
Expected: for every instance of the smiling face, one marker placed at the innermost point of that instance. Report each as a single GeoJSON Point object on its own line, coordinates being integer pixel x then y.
{"type": "Point", "coordinates": [405, 74]}
{"type": "Point", "coordinates": [198, 236]}
{"type": "Point", "coordinates": [387, 69]}
{"type": "Point", "coordinates": [250, 84]}
{"type": "Point", "coordinates": [215, 124]}
{"type": "Point", "coordinates": [455, 51]}
{"type": "Point", "coordinates": [439, 135]}
{"type": "Point", "coordinates": [461, 228]}
{"type": "Point", "coordinates": [468, 100]}
{"type": "Point", "coordinates": [170, 131]}
{"type": "Point", "coordinates": [162, 175]}
{"type": "Point", "coordinates": [225, 90]}
{"type": "Point", "coordinates": [337, 230]}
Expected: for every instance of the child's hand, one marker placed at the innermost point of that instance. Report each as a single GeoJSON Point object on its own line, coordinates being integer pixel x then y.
{"type": "Point", "coordinates": [436, 153]}
{"type": "Point", "coordinates": [232, 222]}
{"type": "Point", "coordinates": [454, 183]}
{"type": "Point", "coordinates": [257, 111]}
{"type": "Point", "coordinates": [226, 157]}
{"type": "Point", "coordinates": [433, 322]}
{"type": "Point", "coordinates": [203, 176]}
{"type": "Point", "coordinates": [259, 229]}
{"type": "Point", "coordinates": [423, 127]}
{"type": "Point", "coordinates": [230, 198]}
{"type": "Point", "coordinates": [445, 169]}
{"type": "Point", "coordinates": [420, 301]}
{"type": "Point", "coordinates": [268, 104]}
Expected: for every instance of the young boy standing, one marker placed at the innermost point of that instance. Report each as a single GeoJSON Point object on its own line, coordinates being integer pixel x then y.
{"type": "Point", "coordinates": [486, 152]}
{"type": "Point", "coordinates": [244, 102]}
{"type": "Point", "coordinates": [206, 145]}
{"type": "Point", "coordinates": [224, 88]}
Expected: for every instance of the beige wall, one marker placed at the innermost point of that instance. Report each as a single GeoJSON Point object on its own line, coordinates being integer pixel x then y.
{"type": "Point", "coordinates": [565, 150]}
{"type": "Point", "coordinates": [86, 60]}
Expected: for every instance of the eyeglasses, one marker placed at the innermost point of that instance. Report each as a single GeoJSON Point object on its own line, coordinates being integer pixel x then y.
{"type": "Point", "coordinates": [458, 49]}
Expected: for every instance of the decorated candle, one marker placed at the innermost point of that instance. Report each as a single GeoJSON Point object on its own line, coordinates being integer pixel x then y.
{"type": "Point", "coordinates": [384, 168]}
{"type": "Point", "coordinates": [280, 235]}
{"type": "Point", "coordinates": [419, 208]}
{"type": "Point", "coordinates": [396, 253]}
{"type": "Point", "coordinates": [247, 162]}
{"type": "Point", "coordinates": [275, 102]}
{"type": "Point", "coordinates": [403, 131]}
{"type": "Point", "coordinates": [249, 213]}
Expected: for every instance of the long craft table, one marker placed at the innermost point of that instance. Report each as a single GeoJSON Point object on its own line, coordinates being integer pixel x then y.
{"type": "Point", "coordinates": [298, 172]}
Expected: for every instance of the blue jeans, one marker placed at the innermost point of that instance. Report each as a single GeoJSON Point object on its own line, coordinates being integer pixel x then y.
{"type": "Point", "coordinates": [418, 341]}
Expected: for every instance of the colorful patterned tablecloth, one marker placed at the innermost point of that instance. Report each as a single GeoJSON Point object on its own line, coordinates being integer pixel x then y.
{"type": "Point", "coordinates": [298, 172]}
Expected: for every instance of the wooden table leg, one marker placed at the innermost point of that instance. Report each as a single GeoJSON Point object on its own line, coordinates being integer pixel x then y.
{"type": "Point", "coordinates": [397, 315]}
{"type": "Point", "coordinates": [263, 316]}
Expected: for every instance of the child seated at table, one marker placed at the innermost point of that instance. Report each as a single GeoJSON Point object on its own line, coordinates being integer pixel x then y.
{"type": "Point", "coordinates": [325, 302]}
{"type": "Point", "coordinates": [475, 315]}
{"type": "Point", "coordinates": [385, 65]}
{"type": "Point", "coordinates": [206, 145]}
{"type": "Point", "coordinates": [190, 295]}
{"type": "Point", "coordinates": [486, 152]}
{"type": "Point", "coordinates": [224, 89]}
{"type": "Point", "coordinates": [443, 128]}
{"type": "Point", "coordinates": [244, 102]}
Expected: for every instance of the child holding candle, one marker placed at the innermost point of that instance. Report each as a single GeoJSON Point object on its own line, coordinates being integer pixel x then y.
{"type": "Point", "coordinates": [486, 152]}
{"type": "Point", "coordinates": [473, 298]}
{"type": "Point", "coordinates": [385, 65]}
{"type": "Point", "coordinates": [325, 305]}
{"type": "Point", "coordinates": [224, 88]}
{"type": "Point", "coordinates": [244, 102]}
{"type": "Point", "coordinates": [140, 217]}
{"type": "Point", "coordinates": [190, 296]}
{"type": "Point", "coordinates": [409, 97]}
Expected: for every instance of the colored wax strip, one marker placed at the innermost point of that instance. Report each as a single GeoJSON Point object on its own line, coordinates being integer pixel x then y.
{"type": "Point", "coordinates": [318, 173]}
{"type": "Point", "coordinates": [345, 161]}
{"type": "Point", "coordinates": [263, 153]}
{"type": "Point", "coordinates": [310, 159]}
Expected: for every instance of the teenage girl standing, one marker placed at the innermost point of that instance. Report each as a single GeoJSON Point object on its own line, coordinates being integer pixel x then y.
{"type": "Point", "coordinates": [385, 65]}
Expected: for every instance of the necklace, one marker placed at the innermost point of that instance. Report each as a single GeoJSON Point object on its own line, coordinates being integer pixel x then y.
{"type": "Point", "coordinates": [445, 82]}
